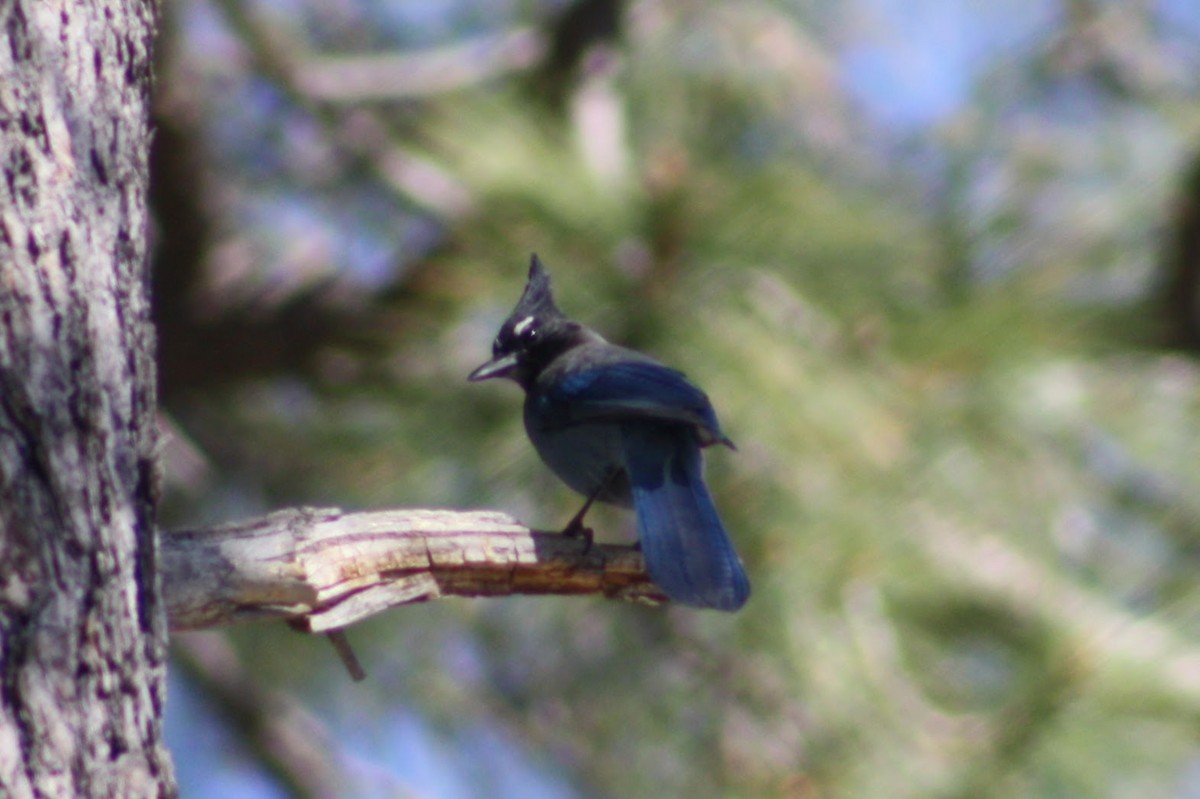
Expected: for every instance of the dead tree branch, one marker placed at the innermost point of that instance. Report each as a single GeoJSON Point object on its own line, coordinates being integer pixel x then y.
{"type": "Point", "coordinates": [323, 569]}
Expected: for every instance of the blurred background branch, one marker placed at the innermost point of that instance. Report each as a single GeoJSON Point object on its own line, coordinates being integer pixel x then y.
{"type": "Point", "coordinates": [289, 740]}
{"type": "Point", "coordinates": [401, 76]}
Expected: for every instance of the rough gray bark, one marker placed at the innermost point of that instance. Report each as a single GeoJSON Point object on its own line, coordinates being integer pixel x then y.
{"type": "Point", "coordinates": [82, 628]}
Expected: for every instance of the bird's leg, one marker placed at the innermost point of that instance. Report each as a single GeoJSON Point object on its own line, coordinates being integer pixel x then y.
{"type": "Point", "coordinates": [575, 527]}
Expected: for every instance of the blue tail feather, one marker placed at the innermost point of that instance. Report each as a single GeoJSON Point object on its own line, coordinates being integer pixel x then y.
{"type": "Point", "coordinates": [687, 551]}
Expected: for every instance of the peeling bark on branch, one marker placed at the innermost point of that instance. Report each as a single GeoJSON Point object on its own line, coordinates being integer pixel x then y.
{"type": "Point", "coordinates": [324, 568]}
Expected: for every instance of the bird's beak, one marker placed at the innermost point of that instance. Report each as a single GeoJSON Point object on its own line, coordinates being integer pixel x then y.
{"type": "Point", "coordinates": [496, 367]}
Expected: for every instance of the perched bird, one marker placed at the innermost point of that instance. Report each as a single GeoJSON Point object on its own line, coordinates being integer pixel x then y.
{"type": "Point", "coordinates": [620, 427]}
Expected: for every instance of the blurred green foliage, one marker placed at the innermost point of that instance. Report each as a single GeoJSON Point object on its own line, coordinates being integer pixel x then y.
{"type": "Point", "coordinates": [965, 487]}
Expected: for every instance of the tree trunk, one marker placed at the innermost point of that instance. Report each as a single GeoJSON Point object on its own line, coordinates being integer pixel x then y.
{"type": "Point", "coordinates": [82, 627]}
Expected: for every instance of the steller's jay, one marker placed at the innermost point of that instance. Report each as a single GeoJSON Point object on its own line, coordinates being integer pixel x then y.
{"type": "Point", "coordinates": [618, 426]}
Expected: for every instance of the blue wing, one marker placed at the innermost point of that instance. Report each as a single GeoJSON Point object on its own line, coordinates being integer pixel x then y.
{"type": "Point", "coordinates": [687, 551]}
{"type": "Point", "coordinates": [626, 390]}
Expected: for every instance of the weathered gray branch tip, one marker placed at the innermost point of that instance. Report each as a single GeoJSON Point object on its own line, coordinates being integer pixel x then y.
{"type": "Point", "coordinates": [323, 568]}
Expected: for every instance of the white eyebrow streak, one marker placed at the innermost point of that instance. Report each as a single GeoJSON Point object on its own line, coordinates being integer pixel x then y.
{"type": "Point", "coordinates": [519, 327]}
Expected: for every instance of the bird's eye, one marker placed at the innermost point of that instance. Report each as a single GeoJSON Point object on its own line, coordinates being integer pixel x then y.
{"type": "Point", "coordinates": [526, 330]}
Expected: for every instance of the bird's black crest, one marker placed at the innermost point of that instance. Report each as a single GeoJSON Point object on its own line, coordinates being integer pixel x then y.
{"type": "Point", "coordinates": [538, 299]}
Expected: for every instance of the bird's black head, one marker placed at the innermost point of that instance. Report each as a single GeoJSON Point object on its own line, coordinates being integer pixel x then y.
{"type": "Point", "coordinates": [533, 335]}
